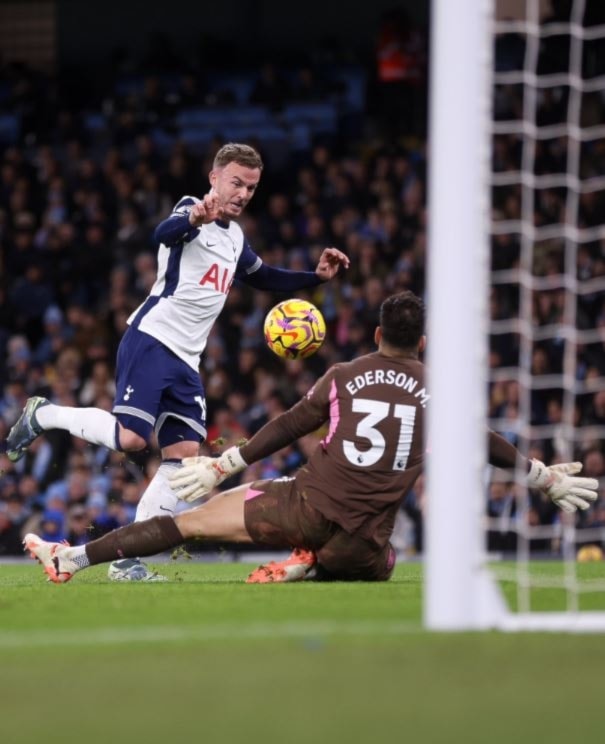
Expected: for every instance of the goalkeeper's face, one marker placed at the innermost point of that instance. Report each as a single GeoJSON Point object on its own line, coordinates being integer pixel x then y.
{"type": "Point", "coordinates": [234, 185]}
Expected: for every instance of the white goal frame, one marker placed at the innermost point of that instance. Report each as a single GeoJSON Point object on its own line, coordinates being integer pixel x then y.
{"type": "Point", "coordinates": [459, 592]}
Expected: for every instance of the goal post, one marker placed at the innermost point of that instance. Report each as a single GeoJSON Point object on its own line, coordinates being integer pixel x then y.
{"type": "Point", "coordinates": [460, 592]}
{"type": "Point", "coordinates": [456, 588]}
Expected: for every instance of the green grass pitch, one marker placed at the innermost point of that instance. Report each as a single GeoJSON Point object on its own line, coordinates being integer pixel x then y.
{"type": "Point", "coordinates": [206, 658]}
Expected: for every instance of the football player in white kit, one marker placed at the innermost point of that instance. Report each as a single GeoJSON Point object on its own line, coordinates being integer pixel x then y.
{"type": "Point", "coordinates": [202, 249]}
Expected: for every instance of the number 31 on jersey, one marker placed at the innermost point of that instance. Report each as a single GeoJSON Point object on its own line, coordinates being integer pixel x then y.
{"type": "Point", "coordinates": [378, 411]}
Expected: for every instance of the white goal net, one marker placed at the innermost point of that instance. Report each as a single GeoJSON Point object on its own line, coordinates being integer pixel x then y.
{"type": "Point", "coordinates": [524, 236]}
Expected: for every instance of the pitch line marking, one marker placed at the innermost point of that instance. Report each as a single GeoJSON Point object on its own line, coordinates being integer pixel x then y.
{"type": "Point", "coordinates": [163, 633]}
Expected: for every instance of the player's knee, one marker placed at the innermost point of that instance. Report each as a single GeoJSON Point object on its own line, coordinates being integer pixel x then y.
{"type": "Point", "coordinates": [130, 441]}
{"type": "Point", "coordinates": [178, 439]}
{"type": "Point", "coordinates": [180, 450]}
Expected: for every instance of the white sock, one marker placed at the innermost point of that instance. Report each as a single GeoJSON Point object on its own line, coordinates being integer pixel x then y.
{"type": "Point", "coordinates": [92, 424]}
{"type": "Point", "coordinates": [158, 500]}
{"type": "Point", "coordinates": [77, 554]}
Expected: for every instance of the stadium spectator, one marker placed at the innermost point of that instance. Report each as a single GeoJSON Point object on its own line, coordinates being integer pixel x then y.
{"type": "Point", "coordinates": [400, 75]}
{"type": "Point", "coordinates": [10, 528]}
{"type": "Point", "coordinates": [271, 88]}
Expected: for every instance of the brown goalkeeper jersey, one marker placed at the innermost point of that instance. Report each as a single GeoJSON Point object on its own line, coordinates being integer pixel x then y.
{"type": "Point", "coordinates": [372, 451]}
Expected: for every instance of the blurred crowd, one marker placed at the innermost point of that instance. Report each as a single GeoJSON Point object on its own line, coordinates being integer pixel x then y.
{"type": "Point", "coordinates": [77, 256]}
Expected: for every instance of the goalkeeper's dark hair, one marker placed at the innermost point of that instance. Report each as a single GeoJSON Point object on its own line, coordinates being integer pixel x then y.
{"type": "Point", "coordinates": [402, 320]}
{"type": "Point", "coordinates": [234, 152]}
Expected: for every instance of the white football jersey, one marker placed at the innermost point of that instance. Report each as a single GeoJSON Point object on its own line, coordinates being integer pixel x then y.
{"type": "Point", "coordinates": [194, 278]}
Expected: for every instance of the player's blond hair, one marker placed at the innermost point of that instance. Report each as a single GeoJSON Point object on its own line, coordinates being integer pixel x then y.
{"type": "Point", "coordinates": [233, 152]}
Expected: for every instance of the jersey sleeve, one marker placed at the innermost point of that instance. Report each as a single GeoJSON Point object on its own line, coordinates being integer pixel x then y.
{"type": "Point", "coordinates": [502, 454]}
{"type": "Point", "coordinates": [248, 263]}
{"type": "Point", "coordinates": [253, 272]}
{"type": "Point", "coordinates": [184, 205]}
{"type": "Point", "coordinates": [305, 417]}
{"type": "Point", "coordinates": [176, 229]}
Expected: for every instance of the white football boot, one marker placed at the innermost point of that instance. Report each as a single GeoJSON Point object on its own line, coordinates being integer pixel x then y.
{"type": "Point", "coordinates": [53, 557]}
{"type": "Point", "coordinates": [132, 569]}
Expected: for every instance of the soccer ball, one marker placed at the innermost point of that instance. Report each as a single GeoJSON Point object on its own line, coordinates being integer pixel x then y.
{"type": "Point", "coordinates": [294, 329]}
{"type": "Point", "coordinates": [589, 553]}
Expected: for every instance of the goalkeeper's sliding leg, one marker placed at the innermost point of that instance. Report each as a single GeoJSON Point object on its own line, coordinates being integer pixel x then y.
{"type": "Point", "coordinates": [222, 518]}
{"type": "Point", "coordinates": [270, 513]}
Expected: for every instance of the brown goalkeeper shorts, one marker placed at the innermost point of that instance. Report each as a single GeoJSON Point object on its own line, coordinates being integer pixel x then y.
{"type": "Point", "coordinates": [277, 515]}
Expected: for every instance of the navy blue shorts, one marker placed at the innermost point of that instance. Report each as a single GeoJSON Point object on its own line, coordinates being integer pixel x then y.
{"type": "Point", "coordinates": [157, 391]}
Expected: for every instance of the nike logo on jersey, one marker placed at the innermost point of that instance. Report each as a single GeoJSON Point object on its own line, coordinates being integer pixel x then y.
{"type": "Point", "coordinates": [163, 508]}
{"type": "Point", "coordinates": [210, 245]}
{"type": "Point", "coordinates": [219, 278]}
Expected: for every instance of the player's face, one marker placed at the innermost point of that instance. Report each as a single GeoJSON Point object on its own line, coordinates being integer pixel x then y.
{"type": "Point", "coordinates": [235, 186]}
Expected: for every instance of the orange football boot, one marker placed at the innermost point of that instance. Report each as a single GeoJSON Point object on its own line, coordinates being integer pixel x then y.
{"type": "Point", "coordinates": [294, 568]}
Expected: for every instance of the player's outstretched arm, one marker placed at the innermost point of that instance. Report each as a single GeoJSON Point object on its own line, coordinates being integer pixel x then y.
{"type": "Point", "coordinates": [285, 280]}
{"type": "Point", "coordinates": [199, 476]}
{"type": "Point", "coordinates": [560, 484]}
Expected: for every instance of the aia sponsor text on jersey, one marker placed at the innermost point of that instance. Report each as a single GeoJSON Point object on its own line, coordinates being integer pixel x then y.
{"type": "Point", "coordinates": [219, 277]}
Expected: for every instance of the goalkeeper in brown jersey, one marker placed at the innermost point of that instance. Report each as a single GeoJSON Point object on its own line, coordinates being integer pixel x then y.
{"type": "Point", "coordinates": [338, 511]}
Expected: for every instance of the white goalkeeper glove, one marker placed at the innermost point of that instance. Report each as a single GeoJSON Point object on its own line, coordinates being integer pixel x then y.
{"type": "Point", "coordinates": [201, 475]}
{"type": "Point", "coordinates": [566, 492]}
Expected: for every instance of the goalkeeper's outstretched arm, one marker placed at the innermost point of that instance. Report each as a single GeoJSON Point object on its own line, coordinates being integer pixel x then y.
{"type": "Point", "coordinates": [199, 476]}
{"type": "Point", "coordinates": [558, 482]}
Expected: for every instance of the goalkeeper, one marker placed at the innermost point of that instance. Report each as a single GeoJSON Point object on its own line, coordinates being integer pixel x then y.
{"type": "Point", "coordinates": [339, 510]}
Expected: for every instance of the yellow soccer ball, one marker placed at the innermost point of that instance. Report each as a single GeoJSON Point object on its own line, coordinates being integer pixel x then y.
{"type": "Point", "coordinates": [294, 329]}
{"type": "Point", "coordinates": [589, 553]}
